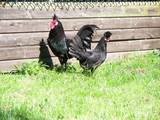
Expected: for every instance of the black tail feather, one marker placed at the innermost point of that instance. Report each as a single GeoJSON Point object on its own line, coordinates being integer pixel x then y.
{"type": "Point", "coordinates": [86, 33]}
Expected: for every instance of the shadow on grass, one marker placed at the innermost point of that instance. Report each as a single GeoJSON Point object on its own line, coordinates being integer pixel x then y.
{"type": "Point", "coordinates": [18, 114]}
{"type": "Point", "coordinates": [87, 74]}
{"type": "Point", "coordinates": [34, 69]}
{"type": "Point", "coordinates": [70, 69]}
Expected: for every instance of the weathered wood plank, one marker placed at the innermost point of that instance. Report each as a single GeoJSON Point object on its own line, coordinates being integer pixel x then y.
{"type": "Point", "coordinates": [7, 26]}
{"type": "Point", "coordinates": [142, 33]}
{"type": "Point", "coordinates": [22, 39]}
{"type": "Point", "coordinates": [19, 52]}
{"type": "Point", "coordinates": [133, 45]}
{"type": "Point", "coordinates": [12, 53]}
{"type": "Point", "coordinates": [10, 13]}
{"type": "Point", "coordinates": [26, 39]}
{"type": "Point", "coordinates": [132, 10]}
{"type": "Point", "coordinates": [7, 66]}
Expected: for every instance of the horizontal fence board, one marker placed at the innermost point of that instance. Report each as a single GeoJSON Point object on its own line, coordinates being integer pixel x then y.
{"type": "Point", "coordinates": [116, 11]}
{"type": "Point", "coordinates": [26, 39]}
{"type": "Point", "coordinates": [142, 33]}
{"type": "Point", "coordinates": [7, 66]}
{"type": "Point", "coordinates": [36, 51]}
{"type": "Point", "coordinates": [133, 45]}
{"type": "Point", "coordinates": [10, 13]}
{"type": "Point", "coordinates": [7, 26]}
{"type": "Point", "coordinates": [22, 39]}
{"type": "Point", "coordinates": [16, 26]}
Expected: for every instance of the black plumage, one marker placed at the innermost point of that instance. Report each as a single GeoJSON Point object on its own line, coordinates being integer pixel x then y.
{"type": "Point", "coordinates": [86, 33]}
{"type": "Point", "coordinates": [57, 41]}
{"type": "Point", "coordinates": [59, 44]}
{"type": "Point", "coordinates": [90, 60]}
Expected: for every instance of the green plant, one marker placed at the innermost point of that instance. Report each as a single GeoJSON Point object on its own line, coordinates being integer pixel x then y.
{"type": "Point", "coordinates": [31, 68]}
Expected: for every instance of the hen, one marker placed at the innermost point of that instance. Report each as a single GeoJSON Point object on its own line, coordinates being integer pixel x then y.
{"type": "Point", "coordinates": [59, 44]}
{"type": "Point", "coordinates": [90, 60]}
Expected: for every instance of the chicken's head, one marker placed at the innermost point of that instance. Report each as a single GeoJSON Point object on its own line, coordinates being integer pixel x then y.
{"type": "Point", "coordinates": [54, 22]}
{"type": "Point", "coordinates": [107, 35]}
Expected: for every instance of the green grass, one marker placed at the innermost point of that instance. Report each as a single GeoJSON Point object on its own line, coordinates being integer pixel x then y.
{"type": "Point", "coordinates": [128, 89]}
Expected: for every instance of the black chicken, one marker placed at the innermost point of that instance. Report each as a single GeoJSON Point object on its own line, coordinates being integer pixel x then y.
{"type": "Point", "coordinates": [86, 33]}
{"type": "Point", "coordinates": [57, 41]}
{"type": "Point", "coordinates": [59, 44]}
{"type": "Point", "coordinates": [90, 60]}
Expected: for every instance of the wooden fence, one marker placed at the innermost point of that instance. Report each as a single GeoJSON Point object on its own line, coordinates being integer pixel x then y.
{"type": "Point", "coordinates": [134, 28]}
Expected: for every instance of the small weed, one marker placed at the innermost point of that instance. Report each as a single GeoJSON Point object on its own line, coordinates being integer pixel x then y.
{"type": "Point", "coordinates": [31, 68]}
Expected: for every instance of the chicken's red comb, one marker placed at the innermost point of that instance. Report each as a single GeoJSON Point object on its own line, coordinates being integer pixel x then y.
{"type": "Point", "coordinates": [53, 24]}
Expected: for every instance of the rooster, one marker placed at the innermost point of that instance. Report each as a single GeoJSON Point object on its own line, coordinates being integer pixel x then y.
{"type": "Point", "coordinates": [59, 44]}
{"type": "Point", "coordinates": [90, 60]}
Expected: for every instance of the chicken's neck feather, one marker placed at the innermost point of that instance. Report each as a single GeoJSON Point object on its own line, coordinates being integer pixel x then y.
{"type": "Point", "coordinates": [57, 33]}
{"type": "Point", "coordinates": [102, 45]}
